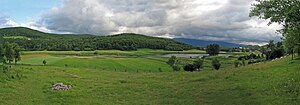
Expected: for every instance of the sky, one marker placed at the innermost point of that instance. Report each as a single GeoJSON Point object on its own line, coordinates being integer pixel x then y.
{"type": "Point", "coordinates": [218, 20]}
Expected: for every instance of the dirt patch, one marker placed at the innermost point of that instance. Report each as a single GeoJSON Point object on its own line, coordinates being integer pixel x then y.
{"type": "Point", "coordinates": [34, 55]}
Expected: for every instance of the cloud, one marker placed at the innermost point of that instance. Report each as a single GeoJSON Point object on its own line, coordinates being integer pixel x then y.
{"type": "Point", "coordinates": [6, 22]}
{"type": "Point", "coordinates": [225, 20]}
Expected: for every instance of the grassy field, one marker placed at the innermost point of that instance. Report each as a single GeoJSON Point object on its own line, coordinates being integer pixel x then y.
{"type": "Point", "coordinates": [144, 60]}
{"type": "Point", "coordinates": [15, 37]}
{"type": "Point", "coordinates": [275, 82]}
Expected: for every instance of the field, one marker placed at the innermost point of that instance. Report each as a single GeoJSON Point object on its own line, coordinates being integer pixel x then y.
{"type": "Point", "coordinates": [122, 77]}
{"type": "Point", "coordinates": [15, 37]}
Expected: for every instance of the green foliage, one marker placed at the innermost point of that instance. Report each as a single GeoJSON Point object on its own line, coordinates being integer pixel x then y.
{"type": "Point", "coordinates": [173, 62]}
{"type": "Point", "coordinates": [284, 12]}
{"type": "Point", "coordinates": [38, 41]}
{"type": "Point", "coordinates": [199, 64]}
{"type": "Point", "coordinates": [236, 63]}
{"type": "Point", "coordinates": [213, 49]}
{"type": "Point", "coordinates": [44, 62]}
{"type": "Point", "coordinates": [216, 64]}
{"type": "Point", "coordinates": [190, 67]}
{"type": "Point", "coordinates": [10, 52]}
{"type": "Point", "coordinates": [243, 62]}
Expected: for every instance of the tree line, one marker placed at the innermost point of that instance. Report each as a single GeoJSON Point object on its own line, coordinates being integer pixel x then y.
{"type": "Point", "coordinates": [125, 42]}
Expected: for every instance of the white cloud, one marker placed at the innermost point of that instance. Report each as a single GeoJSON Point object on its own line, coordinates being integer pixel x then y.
{"type": "Point", "coordinates": [225, 20]}
{"type": "Point", "coordinates": [6, 22]}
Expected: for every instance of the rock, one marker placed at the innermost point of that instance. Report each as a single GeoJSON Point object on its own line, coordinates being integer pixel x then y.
{"type": "Point", "coordinates": [75, 76]}
{"type": "Point", "coordinates": [61, 86]}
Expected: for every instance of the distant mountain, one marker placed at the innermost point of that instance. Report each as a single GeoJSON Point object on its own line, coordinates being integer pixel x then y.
{"type": "Point", "coordinates": [203, 43]}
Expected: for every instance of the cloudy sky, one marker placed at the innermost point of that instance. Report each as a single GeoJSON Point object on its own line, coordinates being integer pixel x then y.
{"type": "Point", "coordinates": [225, 20]}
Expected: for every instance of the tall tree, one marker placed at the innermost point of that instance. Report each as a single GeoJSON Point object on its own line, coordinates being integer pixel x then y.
{"type": "Point", "coordinates": [9, 52]}
{"type": "Point", "coordinates": [284, 12]}
{"type": "Point", "coordinates": [213, 49]}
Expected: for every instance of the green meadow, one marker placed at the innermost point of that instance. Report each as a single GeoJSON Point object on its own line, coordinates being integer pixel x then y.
{"type": "Point", "coordinates": [133, 77]}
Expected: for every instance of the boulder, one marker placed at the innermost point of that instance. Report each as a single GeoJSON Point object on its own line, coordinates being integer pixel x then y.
{"type": "Point", "coordinates": [61, 86]}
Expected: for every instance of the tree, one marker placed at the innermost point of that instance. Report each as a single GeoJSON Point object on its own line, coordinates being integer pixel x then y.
{"type": "Point", "coordinates": [213, 49]}
{"type": "Point", "coordinates": [199, 64]}
{"type": "Point", "coordinates": [17, 53]}
{"type": "Point", "coordinates": [44, 62]}
{"type": "Point", "coordinates": [285, 13]}
{"type": "Point", "coordinates": [1, 52]}
{"type": "Point", "coordinates": [9, 52]}
{"type": "Point", "coordinates": [173, 63]}
{"type": "Point", "coordinates": [4, 60]}
{"type": "Point", "coordinates": [216, 64]}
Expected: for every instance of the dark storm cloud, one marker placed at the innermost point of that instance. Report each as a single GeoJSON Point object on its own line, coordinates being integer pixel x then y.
{"type": "Point", "coordinates": [199, 19]}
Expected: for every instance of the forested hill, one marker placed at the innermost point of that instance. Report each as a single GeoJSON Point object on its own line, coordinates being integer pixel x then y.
{"type": "Point", "coordinates": [34, 40]}
{"type": "Point", "coordinates": [34, 34]}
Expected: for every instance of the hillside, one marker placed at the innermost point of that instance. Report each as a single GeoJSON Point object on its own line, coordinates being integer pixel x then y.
{"type": "Point", "coordinates": [203, 43]}
{"type": "Point", "coordinates": [34, 34]}
{"type": "Point", "coordinates": [36, 40]}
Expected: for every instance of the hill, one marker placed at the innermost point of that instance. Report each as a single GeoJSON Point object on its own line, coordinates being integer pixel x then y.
{"type": "Point", "coordinates": [203, 43]}
{"type": "Point", "coordinates": [34, 34]}
{"type": "Point", "coordinates": [35, 40]}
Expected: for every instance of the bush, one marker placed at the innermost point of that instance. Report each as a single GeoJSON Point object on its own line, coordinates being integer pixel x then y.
{"type": "Point", "coordinates": [198, 64]}
{"type": "Point", "coordinates": [236, 63]}
{"type": "Point", "coordinates": [176, 68]}
{"type": "Point", "coordinates": [190, 67]}
{"type": "Point", "coordinates": [253, 56]}
{"type": "Point", "coordinates": [44, 62]}
{"type": "Point", "coordinates": [243, 62]}
{"type": "Point", "coordinates": [216, 64]}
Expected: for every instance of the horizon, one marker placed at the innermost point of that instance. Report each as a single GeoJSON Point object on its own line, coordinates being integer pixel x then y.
{"type": "Point", "coordinates": [214, 20]}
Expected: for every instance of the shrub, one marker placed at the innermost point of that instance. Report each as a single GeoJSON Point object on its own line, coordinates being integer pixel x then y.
{"type": "Point", "coordinates": [44, 62]}
{"type": "Point", "coordinates": [216, 64]}
{"type": "Point", "coordinates": [176, 68]}
{"type": "Point", "coordinates": [173, 63]}
{"type": "Point", "coordinates": [253, 56]}
{"type": "Point", "coordinates": [236, 63]}
{"type": "Point", "coordinates": [190, 67]}
{"type": "Point", "coordinates": [198, 64]}
{"type": "Point", "coordinates": [243, 62]}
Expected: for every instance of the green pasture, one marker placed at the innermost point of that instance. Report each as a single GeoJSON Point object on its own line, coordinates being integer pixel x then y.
{"type": "Point", "coordinates": [14, 37]}
{"type": "Point", "coordinates": [143, 60]}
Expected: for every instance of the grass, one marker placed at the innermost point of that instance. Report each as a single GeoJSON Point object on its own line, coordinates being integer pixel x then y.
{"type": "Point", "coordinates": [275, 82]}
{"type": "Point", "coordinates": [111, 63]}
{"type": "Point", "coordinates": [14, 37]}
